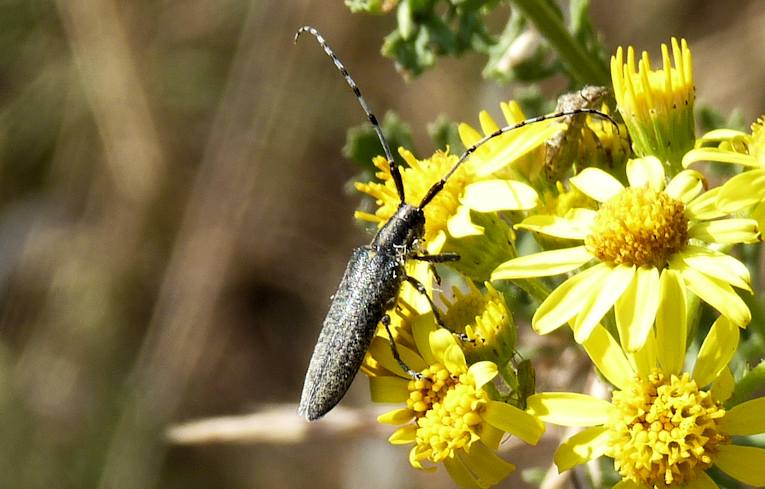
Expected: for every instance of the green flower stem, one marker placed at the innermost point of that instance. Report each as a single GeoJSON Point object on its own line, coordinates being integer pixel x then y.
{"type": "Point", "coordinates": [753, 381]}
{"type": "Point", "coordinates": [584, 67]}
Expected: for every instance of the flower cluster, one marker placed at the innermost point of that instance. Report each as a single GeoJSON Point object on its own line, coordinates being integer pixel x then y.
{"type": "Point", "coordinates": [619, 236]}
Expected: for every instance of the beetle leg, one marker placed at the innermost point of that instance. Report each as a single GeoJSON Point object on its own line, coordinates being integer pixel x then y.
{"type": "Point", "coordinates": [433, 259]}
{"type": "Point", "coordinates": [439, 258]}
{"type": "Point", "coordinates": [415, 375]}
{"type": "Point", "coordinates": [421, 289]}
{"type": "Point", "coordinates": [434, 271]}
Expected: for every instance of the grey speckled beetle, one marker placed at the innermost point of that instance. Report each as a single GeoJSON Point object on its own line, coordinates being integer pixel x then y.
{"type": "Point", "coordinates": [374, 276]}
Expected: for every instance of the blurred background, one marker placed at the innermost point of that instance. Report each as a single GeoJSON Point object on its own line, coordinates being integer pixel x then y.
{"type": "Point", "coordinates": [173, 221]}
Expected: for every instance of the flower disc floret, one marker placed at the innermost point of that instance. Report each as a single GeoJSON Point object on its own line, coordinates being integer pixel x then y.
{"type": "Point", "coordinates": [664, 430]}
{"type": "Point", "coordinates": [430, 389]}
{"type": "Point", "coordinates": [452, 423]}
{"type": "Point", "coordinates": [639, 226]}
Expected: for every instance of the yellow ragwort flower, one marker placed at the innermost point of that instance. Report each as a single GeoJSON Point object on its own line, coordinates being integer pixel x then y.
{"type": "Point", "coordinates": [485, 319]}
{"type": "Point", "coordinates": [462, 217]}
{"type": "Point", "coordinates": [448, 416]}
{"type": "Point", "coordinates": [657, 105]}
{"type": "Point", "coordinates": [637, 234]}
{"type": "Point", "coordinates": [729, 146]}
{"type": "Point", "coordinates": [664, 426]}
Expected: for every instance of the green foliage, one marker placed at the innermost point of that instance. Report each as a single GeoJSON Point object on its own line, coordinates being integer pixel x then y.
{"type": "Point", "coordinates": [362, 143]}
{"type": "Point", "coordinates": [534, 45]}
{"type": "Point", "coordinates": [431, 28]}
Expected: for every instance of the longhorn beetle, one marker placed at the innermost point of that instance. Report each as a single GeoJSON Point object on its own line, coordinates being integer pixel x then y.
{"type": "Point", "coordinates": [374, 275]}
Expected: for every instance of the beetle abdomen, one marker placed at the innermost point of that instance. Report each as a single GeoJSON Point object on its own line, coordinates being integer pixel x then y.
{"type": "Point", "coordinates": [369, 287]}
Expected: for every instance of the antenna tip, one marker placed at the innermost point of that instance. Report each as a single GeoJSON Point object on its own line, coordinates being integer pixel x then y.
{"type": "Point", "coordinates": [302, 30]}
{"type": "Point", "coordinates": [297, 34]}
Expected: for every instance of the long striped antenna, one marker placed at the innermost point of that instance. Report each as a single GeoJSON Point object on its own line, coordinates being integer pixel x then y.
{"type": "Point", "coordinates": [433, 191]}
{"type": "Point", "coordinates": [394, 170]}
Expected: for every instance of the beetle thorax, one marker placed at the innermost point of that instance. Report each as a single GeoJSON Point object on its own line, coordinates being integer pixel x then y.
{"type": "Point", "coordinates": [401, 231]}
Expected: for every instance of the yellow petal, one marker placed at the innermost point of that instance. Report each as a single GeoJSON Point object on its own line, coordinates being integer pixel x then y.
{"type": "Point", "coordinates": [702, 481]}
{"type": "Point", "coordinates": [726, 231]}
{"type": "Point", "coordinates": [487, 467]}
{"type": "Point", "coordinates": [724, 385]}
{"type": "Point", "coordinates": [483, 373]}
{"type": "Point", "coordinates": [435, 245]}
{"type": "Point", "coordinates": [613, 286]}
{"type": "Point", "coordinates": [741, 191]}
{"type": "Point", "coordinates": [381, 351]}
{"type": "Point", "coordinates": [468, 135]}
{"type": "Point", "coordinates": [388, 389]}
{"type": "Point", "coordinates": [422, 326]}
{"type": "Point", "coordinates": [460, 225]}
{"type": "Point", "coordinates": [513, 146]}
{"type": "Point", "coordinates": [554, 226]}
{"type": "Point", "coordinates": [514, 421]}
{"type": "Point", "coordinates": [716, 351]}
{"type": "Point", "coordinates": [459, 473]}
{"type": "Point", "coordinates": [441, 341]}
{"type": "Point", "coordinates": [404, 435]}
{"type": "Point", "coordinates": [488, 125]}
{"type": "Point", "coordinates": [644, 359]}
{"type": "Point", "coordinates": [569, 408]}
{"type": "Point", "coordinates": [685, 186]}
{"type": "Point", "coordinates": [718, 155]}
{"type": "Point", "coordinates": [396, 417]}
{"type": "Point", "coordinates": [671, 322]}
{"type": "Point", "coordinates": [717, 135]}
{"type": "Point", "coordinates": [609, 358]}
{"type": "Point", "coordinates": [454, 359]}
{"type": "Point", "coordinates": [491, 436]}
{"type": "Point", "coordinates": [512, 112]}
{"type": "Point", "coordinates": [718, 265]}
{"type": "Point", "coordinates": [758, 214]}
{"type": "Point", "coordinates": [584, 446]}
{"type": "Point", "coordinates": [745, 419]}
{"type": "Point", "coordinates": [414, 459]}
{"type": "Point", "coordinates": [568, 299]}
{"type": "Point", "coordinates": [716, 293]}
{"type": "Point", "coordinates": [581, 217]}
{"type": "Point", "coordinates": [596, 184]}
{"type": "Point", "coordinates": [499, 195]}
{"type": "Point", "coordinates": [742, 463]}
{"type": "Point", "coordinates": [635, 310]}
{"type": "Point", "coordinates": [542, 264]}
{"type": "Point", "coordinates": [646, 172]}
{"type": "Point", "coordinates": [704, 207]}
